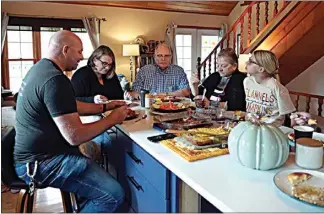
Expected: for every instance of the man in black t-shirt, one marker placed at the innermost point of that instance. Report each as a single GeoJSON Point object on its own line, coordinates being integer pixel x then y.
{"type": "Point", "coordinates": [49, 130]}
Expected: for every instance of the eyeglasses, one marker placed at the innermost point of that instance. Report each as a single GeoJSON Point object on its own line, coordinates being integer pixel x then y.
{"type": "Point", "coordinates": [222, 65]}
{"type": "Point", "coordinates": [160, 56]}
{"type": "Point", "coordinates": [105, 64]}
{"type": "Point", "coordinates": [250, 61]}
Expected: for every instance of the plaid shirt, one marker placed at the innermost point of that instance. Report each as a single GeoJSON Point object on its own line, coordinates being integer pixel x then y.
{"type": "Point", "coordinates": [152, 78]}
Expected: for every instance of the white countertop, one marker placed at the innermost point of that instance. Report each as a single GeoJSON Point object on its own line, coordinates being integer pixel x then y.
{"type": "Point", "coordinates": [226, 184]}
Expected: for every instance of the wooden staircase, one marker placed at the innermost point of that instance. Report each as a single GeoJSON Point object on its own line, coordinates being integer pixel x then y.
{"type": "Point", "coordinates": [292, 30]}
{"type": "Point", "coordinates": [252, 26]}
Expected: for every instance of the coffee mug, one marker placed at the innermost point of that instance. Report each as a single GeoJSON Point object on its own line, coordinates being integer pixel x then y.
{"type": "Point", "coordinates": [303, 131]}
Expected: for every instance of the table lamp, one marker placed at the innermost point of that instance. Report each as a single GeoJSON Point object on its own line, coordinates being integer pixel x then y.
{"type": "Point", "coordinates": [131, 50]}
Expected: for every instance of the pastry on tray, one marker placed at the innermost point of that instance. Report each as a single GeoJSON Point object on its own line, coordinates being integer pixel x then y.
{"type": "Point", "coordinates": [296, 178]}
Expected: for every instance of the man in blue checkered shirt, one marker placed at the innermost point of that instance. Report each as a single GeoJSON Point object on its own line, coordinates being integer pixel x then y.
{"type": "Point", "coordinates": [162, 77]}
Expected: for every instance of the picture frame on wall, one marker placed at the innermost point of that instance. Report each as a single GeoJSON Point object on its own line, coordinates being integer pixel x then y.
{"type": "Point", "coordinates": [238, 42]}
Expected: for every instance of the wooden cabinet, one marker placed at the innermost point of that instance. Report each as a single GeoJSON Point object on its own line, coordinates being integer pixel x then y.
{"type": "Point", "coordinates": [147, 183]}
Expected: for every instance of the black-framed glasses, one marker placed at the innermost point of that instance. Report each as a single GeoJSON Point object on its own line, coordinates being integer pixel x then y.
{"type": "Point", "coordinates": [160, 56]}
{"type": "Point", "coordinates": [250, 61]}
{"type": "Point", "coordinates": [105, 64]}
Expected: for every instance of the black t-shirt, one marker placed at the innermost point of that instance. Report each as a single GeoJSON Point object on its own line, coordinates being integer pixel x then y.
{"type": "Point", "coordinates": [233, 93]}
{"type": "Point", "coordinates": [86, 85]}
{"type": "Point", "coordinates": [45, 93]}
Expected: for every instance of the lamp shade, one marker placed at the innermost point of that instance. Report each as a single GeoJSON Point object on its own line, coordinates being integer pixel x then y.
{"type": "Point", "coordinates": [243, 58]}
{"type": "Point", "coordinates": [131, 50]}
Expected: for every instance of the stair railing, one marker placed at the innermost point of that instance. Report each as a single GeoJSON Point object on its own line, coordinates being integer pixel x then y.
{"type": "Point", "coordinates": [230, 39]}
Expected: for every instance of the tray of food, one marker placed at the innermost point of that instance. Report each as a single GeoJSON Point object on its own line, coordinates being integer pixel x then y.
{"type": "Point", "coordinates": [170, 107]}
{"type": "Point", "coordinates": [183, 123]}
{"type": "Point", "coordinates": [199, 143]}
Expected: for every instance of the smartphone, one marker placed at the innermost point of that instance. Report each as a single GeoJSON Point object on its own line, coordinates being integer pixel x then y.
{"type": "Point", "coordinates": [157, 138]}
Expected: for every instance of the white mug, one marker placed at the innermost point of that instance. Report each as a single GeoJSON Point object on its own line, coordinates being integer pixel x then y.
{"type": "Point", "coordinates": [309, 153]}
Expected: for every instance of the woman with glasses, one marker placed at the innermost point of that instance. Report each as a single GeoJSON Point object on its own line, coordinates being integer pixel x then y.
{"type": "Point", "coordinates": [97, 81]}
{"type": "Point", "coordinates": [225, 85]}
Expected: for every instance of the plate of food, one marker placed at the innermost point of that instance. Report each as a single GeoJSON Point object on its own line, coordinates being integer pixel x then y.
{"type": "Point", "coordinates": [303, 185]}
{"type": "Point", "coordinates": [172, 99]}
{"type": "Point", "coordinates": [128, 102]}
{"type": "Point", "coordinates": [170, 107]}
{"type": "Point", "coordinates": [131, 114]}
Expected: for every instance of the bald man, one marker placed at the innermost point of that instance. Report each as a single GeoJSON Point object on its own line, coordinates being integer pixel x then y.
{"type": "Point", "coordinates": [161, 77]}
{"type": "Point", "coordinates": [49, 130]}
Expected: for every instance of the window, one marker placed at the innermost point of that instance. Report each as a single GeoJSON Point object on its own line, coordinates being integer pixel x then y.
{"type": "Point", "coordinates": [20, 54]}
{"type": "Point", "coordinates": [192, 43]}
{"type": "Point", "coordinates": [87, 46]}
{"type": "Point", "coordinates": [183, 47]}
{"type": "Point", "coordinates": [27, 41]}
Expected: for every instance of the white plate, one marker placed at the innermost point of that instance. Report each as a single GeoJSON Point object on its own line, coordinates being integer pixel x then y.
{"type": "Point", "coordinates": [128, 102]}
{"type": "Point", "coordinates": [282, 183]}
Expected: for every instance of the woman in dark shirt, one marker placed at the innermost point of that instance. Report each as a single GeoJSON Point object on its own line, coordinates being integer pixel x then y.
{"type": "Point", "coordinates": [227, 83]}
{"type": "Point", "coordinates": [97, 81]}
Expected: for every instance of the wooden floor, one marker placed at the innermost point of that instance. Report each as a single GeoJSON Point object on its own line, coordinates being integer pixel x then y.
{"type": "Point", "coordinates": [47, 200]}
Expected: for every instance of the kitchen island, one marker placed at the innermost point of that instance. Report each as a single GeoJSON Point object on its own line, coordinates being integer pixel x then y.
{"type": "Point", "coordinates": [226, 184]}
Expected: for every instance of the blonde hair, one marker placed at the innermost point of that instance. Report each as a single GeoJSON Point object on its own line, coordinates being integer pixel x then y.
{"type": "Point", "coordinates": [268, 61]}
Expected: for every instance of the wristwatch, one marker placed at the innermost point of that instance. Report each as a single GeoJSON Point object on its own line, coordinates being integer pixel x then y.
{"type": "Point", "coordinates": [104, 107]}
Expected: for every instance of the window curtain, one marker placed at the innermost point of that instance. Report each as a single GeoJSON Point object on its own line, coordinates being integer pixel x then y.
{"type": "Point", "coordinates": [170, 40]}
{"type": "Point", "coordinates": [92, 25]}
{"type": "Point", "coordinates": [4, 24]}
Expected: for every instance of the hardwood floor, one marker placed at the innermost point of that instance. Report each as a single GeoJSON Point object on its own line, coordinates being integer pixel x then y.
{"type": "Point", "coordinates": [47, 200]}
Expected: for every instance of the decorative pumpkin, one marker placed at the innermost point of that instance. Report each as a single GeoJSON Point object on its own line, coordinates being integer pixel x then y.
{"type": "Point", "coordinates": [261, 147]}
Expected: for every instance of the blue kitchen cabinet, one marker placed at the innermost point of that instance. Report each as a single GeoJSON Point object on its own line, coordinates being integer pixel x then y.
{"type": "Point", "coordinates": [148, 185]}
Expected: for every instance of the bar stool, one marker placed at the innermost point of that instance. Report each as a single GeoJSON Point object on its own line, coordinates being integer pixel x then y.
{"type": "Point", "coordinates": [10, 178]}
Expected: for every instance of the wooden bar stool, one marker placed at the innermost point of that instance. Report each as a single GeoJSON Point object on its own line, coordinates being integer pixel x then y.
{"type": "Point", "coordinates": [9, 177]}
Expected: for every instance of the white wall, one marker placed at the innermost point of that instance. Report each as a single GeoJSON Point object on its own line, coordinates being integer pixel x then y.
{"type": "Point", "coordinates": [311, 81]}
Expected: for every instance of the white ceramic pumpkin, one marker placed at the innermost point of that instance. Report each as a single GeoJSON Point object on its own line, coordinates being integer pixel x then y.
{"type": "Point", "coordinates": [261, 147]}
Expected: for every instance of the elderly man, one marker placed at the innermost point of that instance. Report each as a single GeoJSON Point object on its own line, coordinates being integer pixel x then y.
{"type": "Point", "coordinates": [49, 130]}
{"type": "Point", "coordinates": [162, 77]}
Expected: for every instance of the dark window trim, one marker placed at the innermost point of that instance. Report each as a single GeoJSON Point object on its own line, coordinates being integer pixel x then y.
{"type": "Point", "coordinates": [36, 23]}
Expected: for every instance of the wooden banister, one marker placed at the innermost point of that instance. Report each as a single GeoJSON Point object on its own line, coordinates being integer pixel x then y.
{"type": "Point", "coordinates": [309, 97]}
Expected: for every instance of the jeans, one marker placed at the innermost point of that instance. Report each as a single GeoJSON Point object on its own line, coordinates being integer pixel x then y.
{"type": "Point", "coordinates": [95, 189]}
{"type": "Point", "coordinates": [103, 141]}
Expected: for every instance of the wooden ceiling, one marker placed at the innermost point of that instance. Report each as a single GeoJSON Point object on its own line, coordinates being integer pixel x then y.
{"type": "Point", "coordinates": [222, 8]}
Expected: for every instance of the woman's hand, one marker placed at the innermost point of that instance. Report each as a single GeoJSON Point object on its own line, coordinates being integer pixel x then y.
{"type": "Point", "coordinates": [100, 99]}
{"type": "Point", "coordinates": [299, 118]}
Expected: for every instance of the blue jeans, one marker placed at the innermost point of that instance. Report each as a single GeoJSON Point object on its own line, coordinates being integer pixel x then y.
{"type": "Point", "coordinates": [95, 189]}
{"type": "Point", "coordinates": [103, 141]}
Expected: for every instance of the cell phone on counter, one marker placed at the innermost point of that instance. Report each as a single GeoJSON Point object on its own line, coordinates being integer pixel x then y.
{"type": "Point", "coordinates": [158, 138]}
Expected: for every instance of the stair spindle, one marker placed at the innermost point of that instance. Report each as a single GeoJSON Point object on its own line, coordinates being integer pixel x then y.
{"type": "Point", "coordinates": [209, 65]}
{"type": "Point", "coordinates": [275, 9]}
{"type": "Point", "coordinates": [308, 103]}
{"type": "Point", "coordinates": [320, 103]}
{"type": "Point", "coordinates": [266, 10]}
{"type": "Point", "coordinates": [258, 18]}
{"type": "Point", "coordinates": [241, 38]}
{"type": "Point", "coordinates": [215, 59]}
{"type": "Point", "coordinates": [199, 67]}
{"type": "Point", "coordinates": [249, 25]}
{"type": "Point", "coordinates": [221, 45]}
{"type": "Point", "coordinates": [204, 71]}
{"type": "Point", "coordinates": [234, 39]}
{"type": "Point", "coordinates": [227, 40]}
{"type": "Point", "coordinates": [296, 102]}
